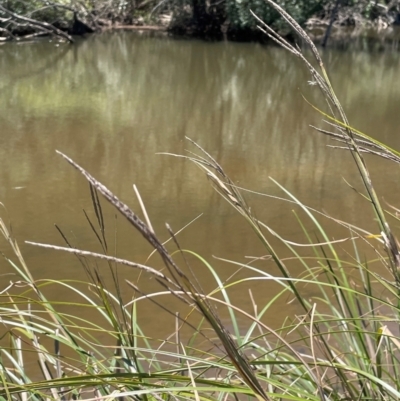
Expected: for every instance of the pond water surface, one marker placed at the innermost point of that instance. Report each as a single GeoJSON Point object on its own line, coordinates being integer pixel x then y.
{"type": "Point", "coordinates": [112, 102]}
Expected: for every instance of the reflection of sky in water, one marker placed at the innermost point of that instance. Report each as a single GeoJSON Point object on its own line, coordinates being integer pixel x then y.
{"type": "Point", "coordinates": [113, 101]}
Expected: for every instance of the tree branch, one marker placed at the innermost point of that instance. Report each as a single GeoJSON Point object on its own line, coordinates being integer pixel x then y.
{"type": "Point", "coordinates": [38, 24]}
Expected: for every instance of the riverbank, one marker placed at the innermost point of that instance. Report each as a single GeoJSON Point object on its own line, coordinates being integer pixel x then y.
{"type": "Point", "coordinates": [222, 20]}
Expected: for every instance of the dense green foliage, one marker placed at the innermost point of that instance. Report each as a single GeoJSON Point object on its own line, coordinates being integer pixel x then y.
{"type": "Point", "coordinates": [239, 16]}
{"type": "Point", "coordinates": [39, 10]}
{"type": "Point", "coordinates": [198, 17]}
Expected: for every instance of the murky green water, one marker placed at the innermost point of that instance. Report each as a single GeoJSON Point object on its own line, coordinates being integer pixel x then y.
{"type": "Point", "coordinates": [113, 101]}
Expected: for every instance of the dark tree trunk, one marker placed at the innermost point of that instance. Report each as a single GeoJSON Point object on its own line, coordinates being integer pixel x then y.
{"type": "Point", "coordinates": [79, 27]}
{"type": "Point", "coordinates": [200, 16]}
{"type": "Point", "coordinates": [332, 20]}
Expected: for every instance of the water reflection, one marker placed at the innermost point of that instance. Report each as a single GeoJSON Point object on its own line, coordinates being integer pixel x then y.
{"type": "Point", "coordinates": [113, 101]}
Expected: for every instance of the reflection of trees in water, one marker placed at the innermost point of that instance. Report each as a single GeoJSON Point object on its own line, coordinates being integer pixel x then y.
{"type": "Point", "coordinates": [16, 57]}
{"type": "Point", "coordinates": [117, 99]}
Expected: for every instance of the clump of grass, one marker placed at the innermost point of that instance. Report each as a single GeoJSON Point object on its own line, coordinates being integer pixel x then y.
{"type": "Point", "coordinates": [343, 346]}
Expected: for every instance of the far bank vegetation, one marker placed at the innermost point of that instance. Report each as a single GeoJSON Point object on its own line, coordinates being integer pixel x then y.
{"type": "Point", "coordinates": [212, 19]}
